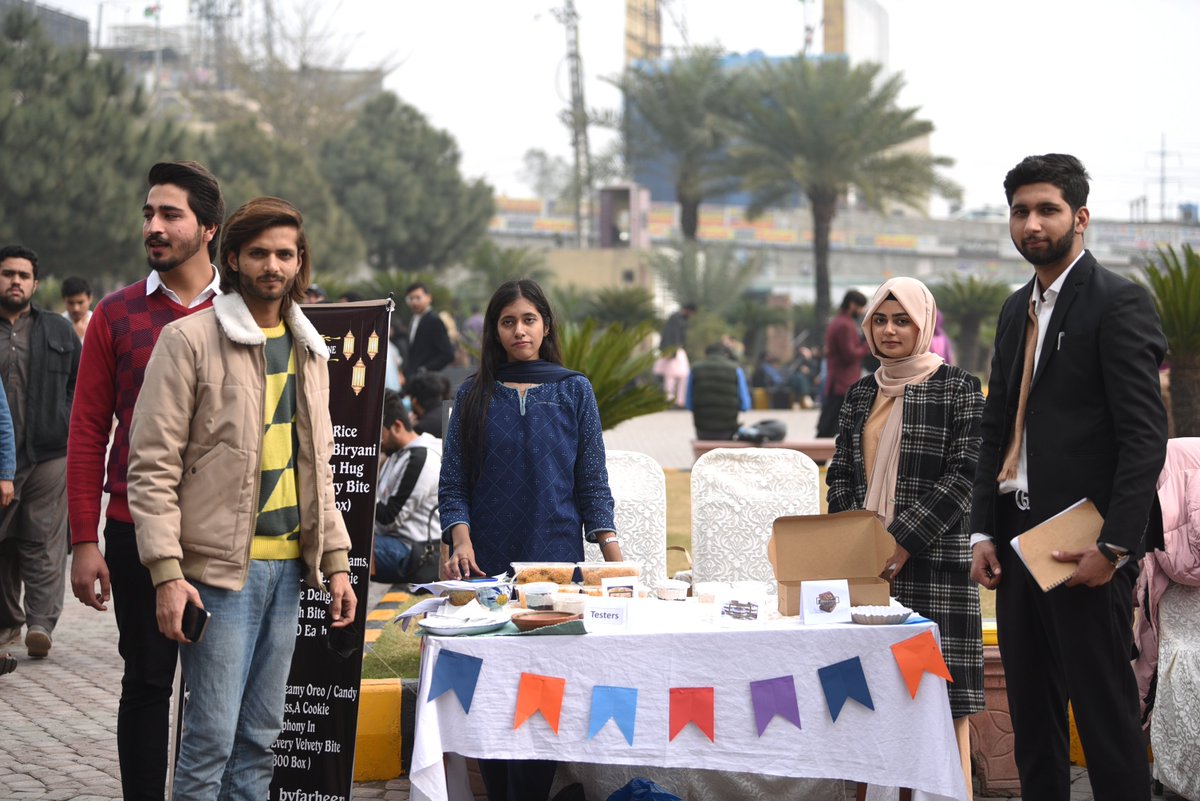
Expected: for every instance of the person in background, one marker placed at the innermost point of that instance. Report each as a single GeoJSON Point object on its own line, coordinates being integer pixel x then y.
{"type": "Point", "coordinates": [314, 294]}
{"type": "Point", "coordinates": [77, 300]}
{"type": "Point", "coordinates": [1167, 633]}
{"type": "Point", "coordinates": [844, 353]}
{"type": "Point", "coordinates": [673, 366]}
{"type": "Point", "coordinates": [907, 444]}
{"type": "Point", "coordinates": [38, 364]}
{"type": "Point", "coordinates": [407, 527]}
{"type": "Point", "coordinates": [941, 344]}
{"type": "Point", "coordinates": [523, 472]}
{"type": "Point", "coordinates": [427, 391]}
{"type": "Point", "coordinates": [10, 631]}
{"type": "Point", "coordinates": [429, 345]}
{"type": "Point", "coordinates": [716, 392]}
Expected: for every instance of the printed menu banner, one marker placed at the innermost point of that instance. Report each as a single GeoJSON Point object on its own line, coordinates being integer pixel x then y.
{"type": "Point", "coordinates": [314, 755]}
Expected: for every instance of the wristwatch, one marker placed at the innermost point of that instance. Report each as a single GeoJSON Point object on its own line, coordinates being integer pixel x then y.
{"type": "Point", "coordinates": [1116, 558]}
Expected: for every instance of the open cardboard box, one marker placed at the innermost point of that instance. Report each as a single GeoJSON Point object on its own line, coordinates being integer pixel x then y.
{"type": "Point", "coordinates": [849, 545]}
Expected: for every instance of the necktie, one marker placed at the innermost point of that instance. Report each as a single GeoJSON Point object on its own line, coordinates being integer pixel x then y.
{"type": "Point", "coordinates": [1012, 456]}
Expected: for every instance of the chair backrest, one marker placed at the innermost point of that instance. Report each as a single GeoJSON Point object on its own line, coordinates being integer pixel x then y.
{"type": "Point", "coordinates": [736, 495]}
{"type": "Point", "coordinates": [639, 491]}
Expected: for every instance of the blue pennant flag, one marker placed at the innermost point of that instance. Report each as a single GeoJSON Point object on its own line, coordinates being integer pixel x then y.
{"type": "Point", "coordinates": [844, 680]}
{"type": "Point", "coordinates": [458, 672]}
{"type": "Point", "coordinates": [615, 703]}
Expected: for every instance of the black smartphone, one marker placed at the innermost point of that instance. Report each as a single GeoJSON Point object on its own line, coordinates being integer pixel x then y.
{"type": "Point", "coordinates": [195, 620]}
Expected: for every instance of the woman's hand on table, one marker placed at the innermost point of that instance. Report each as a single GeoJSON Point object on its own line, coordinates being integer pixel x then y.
{"type": "Point", "coordinates": [461, 564]}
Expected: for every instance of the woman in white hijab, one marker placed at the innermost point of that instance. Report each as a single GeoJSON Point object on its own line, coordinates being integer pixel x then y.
{"type": "Point", "coordinates": [908, 440]}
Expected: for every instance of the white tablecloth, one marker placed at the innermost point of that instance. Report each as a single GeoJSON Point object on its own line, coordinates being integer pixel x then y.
{"type": "Point", "coordinates": [903, 742]}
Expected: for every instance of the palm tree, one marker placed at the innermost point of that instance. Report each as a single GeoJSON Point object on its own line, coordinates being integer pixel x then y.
{"type": "Point", "coordinates": [1174, 283]}
{"type": "Point", "coordinates": [492, 265]}
{"type": "Point", "coordinates": [713, 277]}
{"type": "Point", "coordinates": [968, 304]}
{"type": "Point", "coordinates": [626, 306]}
{"type": "Point", "coordinates": [675, 116]}
{"type": "Point", "coordinates": [822, 127]}
{"type": "Point", "coordinates": [616, 364]}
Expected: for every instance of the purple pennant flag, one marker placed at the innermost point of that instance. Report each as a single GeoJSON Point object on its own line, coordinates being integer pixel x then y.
{"type": "Point", "coordinates": [773, 697]}
{"type": "Point", "coordinates": [457, 672]}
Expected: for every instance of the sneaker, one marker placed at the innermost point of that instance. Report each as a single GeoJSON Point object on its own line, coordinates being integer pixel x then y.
{"type": "Point", "coordinates": [8, 663]}
{"type": "Point", "coordinates": [38, 642]}
{"type": "Point", "coordinates": [9, 635]}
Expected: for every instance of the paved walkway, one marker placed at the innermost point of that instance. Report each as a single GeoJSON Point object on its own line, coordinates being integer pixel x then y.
{"type": "Point", "coordinates": [58, 715]}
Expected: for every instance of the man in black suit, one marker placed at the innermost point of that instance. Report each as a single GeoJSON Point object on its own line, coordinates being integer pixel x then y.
{"type": "Point", "coordinates": [1084, 419]}
{"type": "Point", "coordinates": [429, 346]}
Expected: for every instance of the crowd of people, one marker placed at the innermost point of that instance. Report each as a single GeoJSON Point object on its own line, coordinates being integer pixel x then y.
{"type": "Point", "coordinates": [209, 517]}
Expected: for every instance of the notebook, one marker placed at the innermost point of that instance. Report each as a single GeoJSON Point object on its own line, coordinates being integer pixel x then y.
{"type": "Point", "coordinates": [1075, 528]}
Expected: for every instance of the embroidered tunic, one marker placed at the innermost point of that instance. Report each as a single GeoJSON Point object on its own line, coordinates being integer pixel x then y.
{"type": "Point", "coordinates": [543, 481]}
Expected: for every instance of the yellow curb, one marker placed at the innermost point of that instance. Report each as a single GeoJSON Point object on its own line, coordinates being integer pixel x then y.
{"type": "Point", "coordinates": [381, 614]}
{"type": "Point", "coordinates": [395, 598]}
{"type": "Point", "coordinates": [372, 636]}
{"type": "Point", "coordinates": [377, 746]}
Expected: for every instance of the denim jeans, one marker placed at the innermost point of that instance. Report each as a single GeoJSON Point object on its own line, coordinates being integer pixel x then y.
{"type": "Point", "coordinates": [391, 558]}
{"type": "Point", "coordinates": [236, 678]}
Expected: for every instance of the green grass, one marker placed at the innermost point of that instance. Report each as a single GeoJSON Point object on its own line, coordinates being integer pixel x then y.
{"type": "Point", "coordinates": [397, 653]}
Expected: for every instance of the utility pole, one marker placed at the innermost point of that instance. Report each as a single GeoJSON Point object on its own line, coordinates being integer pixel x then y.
{"type": "Point", "coordinates": [1162, 154]}
{"type": "Point", "coordinates": [576, 119]}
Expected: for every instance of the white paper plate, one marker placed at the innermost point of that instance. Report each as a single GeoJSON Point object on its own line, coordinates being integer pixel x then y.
{"type": "Point", "coordinates": [452, 631]}
{"type": "Point", "coordinates": [879, 615]}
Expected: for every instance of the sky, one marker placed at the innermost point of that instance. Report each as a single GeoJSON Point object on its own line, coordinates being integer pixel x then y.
{"type": "Point", "coordinates": [1113, 81]}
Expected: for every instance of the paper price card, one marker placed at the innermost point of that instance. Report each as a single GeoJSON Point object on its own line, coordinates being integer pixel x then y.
{"type": "Point", "coordinates": [606, 614]}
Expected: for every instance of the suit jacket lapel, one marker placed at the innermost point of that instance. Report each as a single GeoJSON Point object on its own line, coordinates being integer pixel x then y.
{"type": "Point", "coordinates": [1079, 275]}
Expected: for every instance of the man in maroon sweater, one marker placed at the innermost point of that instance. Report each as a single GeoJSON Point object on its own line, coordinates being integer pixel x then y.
{"type": "Point", "coordinates": [844, 352]}
{"type": "Point", "coordinates": [182, 214]}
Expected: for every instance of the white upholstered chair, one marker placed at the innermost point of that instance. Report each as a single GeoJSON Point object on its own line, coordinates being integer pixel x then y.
{"type": "Point", "coordinates": [639, 491]}
{"type": "Point", "coordinates": [736, 495]}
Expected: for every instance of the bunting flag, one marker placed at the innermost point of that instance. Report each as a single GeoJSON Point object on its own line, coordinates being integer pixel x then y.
{"type": "Point", "coordinates": [539, 694]}
{"type": "Point", "coordinates": [844, 680]}
{"type": "Point", "coordinates": [773, 697]}
{"type": "Point", "coordinates": [458, 672]}
{"type": "Point", "coordinates": [618, 704]}
{"type": "Point", "coordinates": [692, 705]}
{"type": "Point", "coordinates": [917, 656]}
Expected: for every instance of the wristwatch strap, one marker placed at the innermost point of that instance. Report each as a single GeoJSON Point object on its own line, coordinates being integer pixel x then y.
{"type": "Point", "coordinates": [1117, 559]}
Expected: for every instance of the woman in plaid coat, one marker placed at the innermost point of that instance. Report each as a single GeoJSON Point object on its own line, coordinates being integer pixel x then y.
{"type": "Point", "coordinates": [908, 440]}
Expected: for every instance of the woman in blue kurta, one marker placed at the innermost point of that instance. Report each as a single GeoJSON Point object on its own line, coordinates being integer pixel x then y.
{"type": "Point", "coordinates": [523, 473]}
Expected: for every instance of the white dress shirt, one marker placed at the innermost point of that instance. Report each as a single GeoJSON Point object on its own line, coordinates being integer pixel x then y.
{"type": "Point", "coordinates": [154, 283]}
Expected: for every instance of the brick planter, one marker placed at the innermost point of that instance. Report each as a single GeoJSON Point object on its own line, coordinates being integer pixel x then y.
{"type": "Point", "coordinates": [992, 735]}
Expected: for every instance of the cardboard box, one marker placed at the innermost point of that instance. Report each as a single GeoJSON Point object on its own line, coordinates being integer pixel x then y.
{"type": "Point", "coordinates": [849, 545]}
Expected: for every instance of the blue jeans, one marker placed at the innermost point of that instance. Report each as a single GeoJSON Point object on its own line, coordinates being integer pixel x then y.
{"type": "Point", "coordinates": [236, 678]}
{"type": "Point", "coordinates": [391, 559]}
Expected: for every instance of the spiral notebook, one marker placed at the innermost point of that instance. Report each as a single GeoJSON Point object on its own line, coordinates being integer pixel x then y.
{"type": "Point", "coordinates": [1073, 529]}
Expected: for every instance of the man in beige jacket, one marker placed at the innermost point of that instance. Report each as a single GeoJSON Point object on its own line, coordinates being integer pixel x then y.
{"type": "Point", "coordinates": [231, 492]}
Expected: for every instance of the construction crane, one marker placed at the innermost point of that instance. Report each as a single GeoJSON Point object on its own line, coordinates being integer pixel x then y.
{"type": "Point", "coordinates": [576, 120]}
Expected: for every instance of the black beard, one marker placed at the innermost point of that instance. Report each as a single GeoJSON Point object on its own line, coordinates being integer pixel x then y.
{"type": "Point", "coordinates": [166, 265]}
{"type": "Point", "coordinates": [10, 305]}
{"type": "Point", "coordinates": [1057, 251]}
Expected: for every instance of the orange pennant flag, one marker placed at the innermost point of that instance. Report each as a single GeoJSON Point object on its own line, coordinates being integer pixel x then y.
{"type": "Point", "coordinates": [692, 705]}
{"type": "Point", "coordinates": [917, 656]}
{"type": "Point", "coordinates": [539, 694]}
